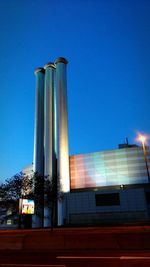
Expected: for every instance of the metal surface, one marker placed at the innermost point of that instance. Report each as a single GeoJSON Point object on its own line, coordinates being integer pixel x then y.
{"type": "Point", "coordinates": [62, 136]}
{"type": "Point", "coordinates": [49, 122]}
{"type": "Point", "coordinates": [62, 125]}
{"type": "Point", "coordinates": [39, 123]}
{"type": "Point", "coordinates": [49, 137]}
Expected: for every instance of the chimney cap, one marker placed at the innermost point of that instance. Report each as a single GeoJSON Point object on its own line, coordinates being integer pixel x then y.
{"type": "Point", "coordinates": [61, 60]}
{"type": "Point", "coordinates": [39, 70]}
{"type": "Point", "coordinates": [49, 64]}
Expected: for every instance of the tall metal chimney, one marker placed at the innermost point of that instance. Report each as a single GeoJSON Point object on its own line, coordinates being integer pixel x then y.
{"type": "Point", "coordinates": [49, 121]}
{"type": "Point", "coordinates": [51, 140]}
{"type": "Point", "coordinates": [49, 133]}
{"type": "Point", "coordinates": [62, 134]}
{"type": "Point", "coordinates": [38, 160]}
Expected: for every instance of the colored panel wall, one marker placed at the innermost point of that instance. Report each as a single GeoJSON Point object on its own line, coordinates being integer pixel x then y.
{"type": "Point", "coordinates": [108, 168]}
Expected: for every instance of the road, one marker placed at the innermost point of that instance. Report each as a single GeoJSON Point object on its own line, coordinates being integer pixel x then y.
{"type": "Point", "coordinates": [72, 259]}
{"type": "Point", "coordinates": [90, 247]}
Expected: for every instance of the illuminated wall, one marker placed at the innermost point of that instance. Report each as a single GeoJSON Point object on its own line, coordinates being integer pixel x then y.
{"type": "Point", "coordinates": [108, 168]}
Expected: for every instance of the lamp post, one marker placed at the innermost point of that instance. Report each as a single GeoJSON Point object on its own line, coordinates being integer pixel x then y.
{"type": "Point", "coordinates": [142, 139]}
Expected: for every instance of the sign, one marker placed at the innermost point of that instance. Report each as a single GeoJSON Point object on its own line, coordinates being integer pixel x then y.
{"type": "Point", "coordinates": [26, 206]}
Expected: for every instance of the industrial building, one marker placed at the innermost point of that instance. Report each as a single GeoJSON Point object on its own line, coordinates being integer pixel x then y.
{"type": "Point", "coordinates": [108, 187]}
{"type": "Point", "coordinates": [105, 187]}
{"type": "Point", "coordinates": [102, 187]}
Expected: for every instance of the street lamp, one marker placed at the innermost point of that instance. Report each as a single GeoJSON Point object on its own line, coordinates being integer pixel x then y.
{"type": "Point", "coordinates": [143, 139]}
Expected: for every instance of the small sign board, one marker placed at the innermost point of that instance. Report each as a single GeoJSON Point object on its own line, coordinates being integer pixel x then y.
{"type": "Point", "coordinates": [26, 206]}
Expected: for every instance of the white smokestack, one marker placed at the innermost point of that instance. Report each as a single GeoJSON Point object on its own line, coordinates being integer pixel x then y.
{"type": "Point", "coordinates": [49, 122]}
{"type": "Point", "coordinates": [38, 161]}
{"type": "Point", "coordinates": [62, 136]}
{"type": "Point", "coordinates": [62, 124]}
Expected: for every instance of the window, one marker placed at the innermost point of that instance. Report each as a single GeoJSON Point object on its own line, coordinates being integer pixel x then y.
{"type": "Point", "coordinates": [147, 194]}
{"type": "Point", "coordinates": [9, 222]}
{"type": "Point", "coordinates": [107, 199]}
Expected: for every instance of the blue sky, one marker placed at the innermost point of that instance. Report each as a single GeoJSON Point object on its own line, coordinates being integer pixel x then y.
{"type": "Point", "coordinates": [107, 45]}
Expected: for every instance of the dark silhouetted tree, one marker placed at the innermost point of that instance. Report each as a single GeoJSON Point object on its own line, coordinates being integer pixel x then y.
{"type": "Point", "coordinates": [18, 186]}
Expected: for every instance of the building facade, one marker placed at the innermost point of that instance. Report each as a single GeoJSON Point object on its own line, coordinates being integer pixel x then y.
{"type": "Point", "coordinates": [102, 187]}
{"type": "Point", "coordinates": [108, 187]}
{"type": "Point", "coordinates": [108, 168]}
{"type": "Point", "coordinates": [97, 187]}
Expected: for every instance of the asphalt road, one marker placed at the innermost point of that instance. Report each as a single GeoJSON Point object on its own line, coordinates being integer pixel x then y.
{"type": "Point", "coordinates": [91, 247]}
{"type": "Point", "coordinates": [75, 258]}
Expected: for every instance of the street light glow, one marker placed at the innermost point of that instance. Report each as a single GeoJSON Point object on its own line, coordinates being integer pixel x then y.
{"type": "Point", "coordinates": [142, 138]}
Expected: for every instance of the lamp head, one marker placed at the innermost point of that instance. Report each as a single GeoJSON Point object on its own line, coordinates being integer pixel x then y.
{"type": "Point", "coordinates": [142, 138]}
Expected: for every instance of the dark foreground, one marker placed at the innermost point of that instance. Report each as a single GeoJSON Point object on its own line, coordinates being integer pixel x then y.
{"type": "Point", "coordinates": [69, 247]}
